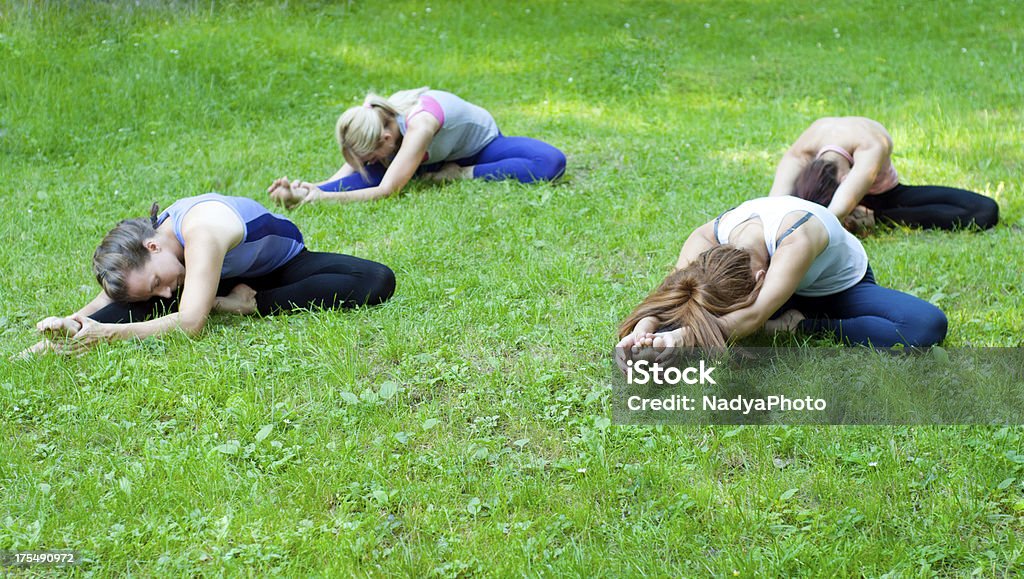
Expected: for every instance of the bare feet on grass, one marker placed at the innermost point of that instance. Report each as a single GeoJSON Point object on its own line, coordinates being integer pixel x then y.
{"type": "Point", "coordinates": [57, 328]}
{"type": "Point", "coordinates": [241, 300]}
{"type": "Point", "coordinates": [56, 331]}
{"type": "Point", "coordinates": [860, 220]}
{"type": "Point", "coordinates": [787, 322]}
{"type": "Point", "coordinates": [40, 347]}
{"type": "Point", "coordinates": [291, 194]}
{"type": "Point", "coordinates": [451, 172]}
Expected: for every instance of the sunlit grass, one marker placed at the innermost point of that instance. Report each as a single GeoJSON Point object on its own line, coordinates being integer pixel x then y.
{"type": "Point", "coordinates": [463, 428]}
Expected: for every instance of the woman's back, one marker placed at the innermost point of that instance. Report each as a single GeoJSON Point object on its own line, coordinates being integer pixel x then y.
{"type": "Point", "coordinates": [268, 240]}
{"type": "Point", "coordinates": [840, 264]}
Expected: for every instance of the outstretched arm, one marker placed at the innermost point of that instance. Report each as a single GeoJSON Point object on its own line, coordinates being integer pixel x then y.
{"type": "Point", "coordinates": [788, 266]}
{"type": "Point", "coordinates": [410, 154]}
{"type": "Point", "coordinates": [701, 240]}
{"type": "Point", "coordinates": [60, 328]}
{"type": "Point", "coordinates": [785, 175]}
{"type": "Point", "coordinates": [867, 162]}
{"type": "Point", "coordinates": [209, 231]}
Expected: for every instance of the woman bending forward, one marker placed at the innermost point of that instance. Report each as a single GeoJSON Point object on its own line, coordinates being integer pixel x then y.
{"type": "Point", "coordinates": [781, 257]}
{"type": "Point", "coordinates": [206, 253]}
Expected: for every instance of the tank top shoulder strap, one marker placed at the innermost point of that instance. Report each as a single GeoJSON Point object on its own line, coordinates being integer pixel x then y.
{"type": "Point", "coordinates": [428, 104]}
{"type": "Point", "coordinates": [835, 149]}
{"type": "Point", "coordinates": [793, 227]}
{"type": "Point", "coordinates": [719, 218]}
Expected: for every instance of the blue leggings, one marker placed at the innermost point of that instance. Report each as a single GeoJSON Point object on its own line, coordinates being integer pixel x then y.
{"type": "Point", "coordinates": [521, 158]}
{"type": "Point", "coordinates": [870, 314]}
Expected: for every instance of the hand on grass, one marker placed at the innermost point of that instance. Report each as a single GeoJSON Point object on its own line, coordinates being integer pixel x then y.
{"type": "Point", "coordinates": [787, 322]}
{"type": "Point", "coordinates": [860, 220]}
{"type": "Point", "coordinates": [90, 334]}
{"type": "Point", "coordinates": [306, 192]}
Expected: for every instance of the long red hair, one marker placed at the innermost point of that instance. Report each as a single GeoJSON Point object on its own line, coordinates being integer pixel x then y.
{"type": "Point", "coordinates": [719, 281]}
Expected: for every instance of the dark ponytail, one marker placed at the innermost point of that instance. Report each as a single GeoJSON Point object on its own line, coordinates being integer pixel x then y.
{"type": "Point", "coordinates": [817, 182]}
{"type": "Point", "coordinates": [154, 213]}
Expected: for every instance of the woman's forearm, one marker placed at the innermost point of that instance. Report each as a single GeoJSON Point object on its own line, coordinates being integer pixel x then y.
{"type": "Point", "coordinates": [345, 171]}
{"type": "Point", "coordinates": [99, 302]}
{"type": "Point", "coordinates": [786, 174]}
{"type": "Point", "coordinates": [354, 195]}
{"type": "Point", "coordinates": [741, 323]}
{"type": "Point", "coordinates": [154, 327]}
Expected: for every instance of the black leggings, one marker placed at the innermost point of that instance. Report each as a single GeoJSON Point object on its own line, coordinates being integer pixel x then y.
{"type": "Point", "coordinates": [933, 207]}
{"type": "Point", "coordinates": [310, 279]}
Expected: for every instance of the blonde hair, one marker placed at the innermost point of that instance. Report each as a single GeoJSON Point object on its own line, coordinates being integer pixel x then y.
{"type": "Point", "coordinates": [719, 281]}
{"type": "Point", "coordinates": [359, 128]}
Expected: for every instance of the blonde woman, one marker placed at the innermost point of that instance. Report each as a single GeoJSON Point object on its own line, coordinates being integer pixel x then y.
{"type": "Point", "coordinates": [421, 132]}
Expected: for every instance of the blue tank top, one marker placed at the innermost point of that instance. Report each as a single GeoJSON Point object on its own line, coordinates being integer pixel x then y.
{"type": "Point", "coordinates": [268, 240]}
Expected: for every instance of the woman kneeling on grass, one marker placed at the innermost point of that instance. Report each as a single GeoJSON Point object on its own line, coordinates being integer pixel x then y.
{"type": "Point", "coordinates": [845, 164]}
{"type": "Point", "coordinates": [224, 254]}
{"type": "Point", "coordinates": [773, 255]}
{"type": "Point", "coordinates": [435, 134]}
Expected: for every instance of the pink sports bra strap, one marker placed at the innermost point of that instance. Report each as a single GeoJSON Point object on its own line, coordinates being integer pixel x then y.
{"type": "Point", "coordinates": [430, 105]}
{"type": "Point", "coordinates": [835, 149]}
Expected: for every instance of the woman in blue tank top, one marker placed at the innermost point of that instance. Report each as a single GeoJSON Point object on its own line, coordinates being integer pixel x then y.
{"type": "Point", "coordinates": [208, 253]}
{"type": "Point", "coordinates": [776, 257]}
{"type": "Point", "coordinates": [431, 133]}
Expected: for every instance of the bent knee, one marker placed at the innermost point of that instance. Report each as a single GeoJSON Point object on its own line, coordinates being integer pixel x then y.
{"type": "Point", "coordinates": [554, 165]}
{"type": "Point", "coordinates": [547, 165]}
{"type": "Point", "coordinates": [928, 329]}
{"type": "Point", "coordinates": [383, 285]}
{"type": "Point", "coordinates": [986, 215]}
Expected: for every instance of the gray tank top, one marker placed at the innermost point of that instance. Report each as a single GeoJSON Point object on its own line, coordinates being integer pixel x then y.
{"type": "Point", "coordinates": [465, 128]}
{"type": "Point", "coordinates": [839, 267]}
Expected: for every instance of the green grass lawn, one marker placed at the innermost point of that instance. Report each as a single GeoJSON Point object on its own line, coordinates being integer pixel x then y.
{"type": "Point", "coordinates": [463, 428]}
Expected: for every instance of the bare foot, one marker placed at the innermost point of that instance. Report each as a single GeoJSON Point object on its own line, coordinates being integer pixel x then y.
{"type": "Point", "coordinates": [57, 328]}
{"type": "Point", "coordinates": [787, 322]}
{"type": "Point", "coordinates": [860, 220]}
{"type": "Point", "coordinates": [241, 300]}
{"type": "Point", "coordinates": [451, 172]}
{"type": "Point", "coordinates": [40, 347]}
{"type": "Point", "coordinates": [287, 193]}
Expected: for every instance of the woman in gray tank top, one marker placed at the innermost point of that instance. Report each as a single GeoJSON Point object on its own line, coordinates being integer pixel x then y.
{"type": "Point", "coordinates": [421, 132]}
{"type": "Point", "coordinates": [782, 258]}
